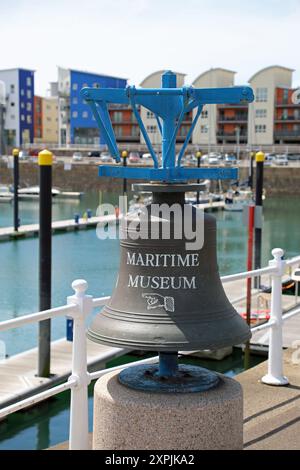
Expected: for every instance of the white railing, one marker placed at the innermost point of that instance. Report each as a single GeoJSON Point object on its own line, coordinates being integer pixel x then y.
{"type": "Point", "coordinates": [80, 305]}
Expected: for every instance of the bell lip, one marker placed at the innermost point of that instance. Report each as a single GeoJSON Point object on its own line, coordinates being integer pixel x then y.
{"type": "Point", "coordinates": [170, 347]}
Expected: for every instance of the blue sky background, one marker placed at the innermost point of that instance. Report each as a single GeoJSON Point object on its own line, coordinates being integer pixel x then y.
{"type": "Point", "coordinates": [133, 38]}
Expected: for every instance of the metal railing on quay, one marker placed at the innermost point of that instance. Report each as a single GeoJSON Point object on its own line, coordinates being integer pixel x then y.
{"type": "Point", "coordinates": [80, 306]}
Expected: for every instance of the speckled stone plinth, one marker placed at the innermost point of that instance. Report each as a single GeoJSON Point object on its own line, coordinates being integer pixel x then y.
{"type": "Point", "coordinates": [129, 419]}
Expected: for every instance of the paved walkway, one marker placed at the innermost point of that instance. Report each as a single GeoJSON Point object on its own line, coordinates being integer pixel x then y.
{"type": "Point", "coordinates": [272, 414]}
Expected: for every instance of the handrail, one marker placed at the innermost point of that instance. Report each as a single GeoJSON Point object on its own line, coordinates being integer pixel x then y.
{"type": "Point", "coordinates": [37, 317]}
{"type": "Point", "coordinates": [80, 305]}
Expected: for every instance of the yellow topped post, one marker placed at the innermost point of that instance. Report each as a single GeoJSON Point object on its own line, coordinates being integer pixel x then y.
{"type": "Point", "coordinates": [124, 155]}
{"type": "Point", "coordinates": [15, 152]}
{"type": "Point", "coordinates": [260, 157]}
{"type": "Point", "coordinates": [45, 158]}
{"type": "Point", "coordinates": [198, 154]}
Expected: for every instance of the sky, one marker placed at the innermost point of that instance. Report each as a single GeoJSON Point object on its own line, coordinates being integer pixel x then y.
{"type": "Point", "coordinates": [133, 38]}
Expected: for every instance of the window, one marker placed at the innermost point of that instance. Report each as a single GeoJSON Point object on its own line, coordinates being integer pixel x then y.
{"type": "Point", "coordinates": [48, 107]}
{"type": "Point", "coordinates": [28, 106]}
{"type": "Point", "coordinates": [29, 121]}
{"type": "Point", "coordinates": [75, 100]}
{"type": "Point", "coordinates": [12, 116]}
{"type": "Point", "coordinates": [151, 129]}
{"type": "Point", "coordinates": [150, 115]}
{"type": "Point", "coordinates": [285, 98]}
{"type": "Point", "coordinates": [260, 113]}
{"type": "Point", "coordinates": [22, 117]}
{"type": "Point", "coordinates": [12, 88]}
{"type": "Point", "coordinates": [48, 119]}
{"type": "Point", "coordinates": [261, 129]}
{"type": "Point", "coordinates": [23, 105]}
{"type": "Point", "coordinates": [28, 81]}
{"type": "Point", "coordinates": [204, 114]}
{"type": "Point", "coordinates": [135, 131]}
{"type": "Point", "coordinates": [285, 114]}
{"type": "Point", "coordinates": [118, 131]}
{"type": "Point", "coordinates": [38, 133]}
{"type": "Point", "coordinates": [74, 114]}
{"type": "Point", "coordinates": [28, 94]}
{"type": "Point", "coordinates": [117, 117]}
{"type": "Point", "coordinates": [96, 85]}
{"type": "Point", "coordinates": [204, 129]}
{"type": "Point", "coordinates": [296, 113]}
{"type": "Point", "coordinates": [84, 114]}
{"type": "Point", "coordinates": [261, 95]}
{"type": "Point", "coordinates": [22, 92]}
{"type": "Point", "coordinates": [75, 86]}
{"type": "Point", "coordinates": [84, 85]}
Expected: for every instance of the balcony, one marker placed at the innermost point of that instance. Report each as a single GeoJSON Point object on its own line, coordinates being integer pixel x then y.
{"type": "Point", "coordinates": [233, 106]}
{"type": "Point", "coordinates": [287, 136]}
{"type": "Point", "coordinates": [232, 136]}
{"type": "Point", "coordinates": [123, 121]}
{"type": "Point", "coordinates": [287, 105]}
{"type": "Point", "coordinates": [288, 119]}
{"type": "Point", "coordinates": [234, 119]}
{"type": "Point", "coordinates": [128, 138]}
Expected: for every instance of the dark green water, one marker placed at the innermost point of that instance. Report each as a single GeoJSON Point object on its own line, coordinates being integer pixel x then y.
{"type": "Point", "coordinates": [82, 255]}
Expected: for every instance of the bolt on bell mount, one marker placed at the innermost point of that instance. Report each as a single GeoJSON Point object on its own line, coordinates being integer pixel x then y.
{"type": "Point", "coordinates": [167, 306]}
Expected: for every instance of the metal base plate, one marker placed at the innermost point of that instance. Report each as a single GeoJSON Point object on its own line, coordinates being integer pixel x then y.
{"type": "Point", "coordinates": [189, 379]}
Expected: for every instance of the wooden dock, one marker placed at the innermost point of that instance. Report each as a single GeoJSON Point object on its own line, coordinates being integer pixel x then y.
{"type": "Point", "coordinates": [18, 378]}
{"type": "Point", "coordinates": [59, 226]}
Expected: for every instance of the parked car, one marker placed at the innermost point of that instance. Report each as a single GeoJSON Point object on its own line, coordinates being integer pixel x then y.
{"type": "Point", "coordinates": [269, 159]}
{"type": "Point", "coordinates": [281, 160]}
{"type": "Point", "coordinates": [77, 157]}
{"type": "Point", "coordinates": [106, 157]}
{"type": "Point", "coordinates": [147, 157]}
{"type": "Point", "coordinates": [23, 155]}
{"type": "Point", "coordinates": [94, 153]}
{"type": "Point", "coordinates": [134, 157]}
{"type": "Point", "coordinates": [230, 160]}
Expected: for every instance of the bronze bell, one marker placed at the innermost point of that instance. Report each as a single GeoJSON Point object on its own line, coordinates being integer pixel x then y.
{"type": "Point", "coordinates": [168, 298]}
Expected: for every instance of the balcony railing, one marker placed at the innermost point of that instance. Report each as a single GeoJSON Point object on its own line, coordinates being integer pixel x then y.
{"type": "Point", "coordinates": [237, 118]}
{"type": "Point", "coordinates": [287, 119]}
{"type": "Point", "coordinates": [123, 121]}
{"type": "Point", "coordinates": [287, 133]}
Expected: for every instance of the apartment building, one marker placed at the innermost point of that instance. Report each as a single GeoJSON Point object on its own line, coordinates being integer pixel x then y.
{"type": "Point", "coordinates": [46, 120]}
{"type": "Point", "coordinates": [287, 117]}
{"type": "Point", "coordinates": [76, 121]}
{"type": "Point", "coordinates": [263, 112]}
{"type": "Point", "coordinates": [18, 86]}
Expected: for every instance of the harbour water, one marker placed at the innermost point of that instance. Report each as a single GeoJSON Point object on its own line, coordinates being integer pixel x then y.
{"type": "Point", "coordinates": [82, 255]}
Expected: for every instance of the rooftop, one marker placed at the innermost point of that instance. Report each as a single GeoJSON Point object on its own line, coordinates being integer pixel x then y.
{"type": "Point", "coordinates": [92, 73]}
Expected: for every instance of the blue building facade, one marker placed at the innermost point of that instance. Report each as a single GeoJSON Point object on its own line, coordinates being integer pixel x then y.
{"type": "Point", "coordinates": [19, 106]}
{"type": "Point", "coordinates": [83, 127]}
{"type": "Point", "coordinates": [26, 106]}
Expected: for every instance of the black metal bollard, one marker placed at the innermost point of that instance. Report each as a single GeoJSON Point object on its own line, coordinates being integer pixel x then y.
{"type": "Point", "coordinates": [45, 236]}
{"type": "Point", "coordinates": [16, 188]}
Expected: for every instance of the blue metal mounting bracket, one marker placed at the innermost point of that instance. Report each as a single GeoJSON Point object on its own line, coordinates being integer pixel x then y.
{"type": "Point", "coordinates": [169, 105]}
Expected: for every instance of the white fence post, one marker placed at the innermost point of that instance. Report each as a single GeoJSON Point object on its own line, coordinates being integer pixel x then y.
{"type": "Point", "coordinates": [275, 361]}
{"type": "Point", "coordinates": [79, 429]}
